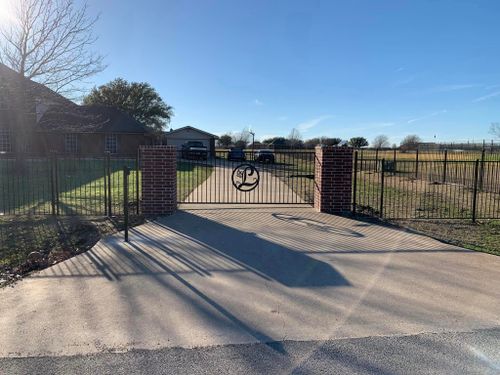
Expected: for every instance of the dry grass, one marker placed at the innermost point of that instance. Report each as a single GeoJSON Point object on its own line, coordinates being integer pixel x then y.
{"type": "Point", "coordinates": [51, 239]}
{"type": "Point", "coordinates": [481, 236]}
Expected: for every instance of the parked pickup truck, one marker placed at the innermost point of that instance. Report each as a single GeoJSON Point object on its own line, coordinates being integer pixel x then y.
{"type": "Point", "coordinates": [194, 150]}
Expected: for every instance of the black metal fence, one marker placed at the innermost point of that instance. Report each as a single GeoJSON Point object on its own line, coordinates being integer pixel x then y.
{"type": "Point", "coordinates": [67, 185]}
{"type": "Point", "coordinates": [427, 189]}
{"type": "Point", "coordinates": [285, 177]}
{"type": "Point", "coordinates": [490, 153]}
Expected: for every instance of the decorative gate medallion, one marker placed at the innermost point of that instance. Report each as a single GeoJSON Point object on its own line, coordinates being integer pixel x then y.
{"type": "Point", "coordinates": [245, 177]}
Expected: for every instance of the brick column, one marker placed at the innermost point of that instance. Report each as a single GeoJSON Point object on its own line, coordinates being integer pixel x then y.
{"type": "Point", "coordinates": [159, 179]}
{"type": "Point", "coordinates": [333, 179]}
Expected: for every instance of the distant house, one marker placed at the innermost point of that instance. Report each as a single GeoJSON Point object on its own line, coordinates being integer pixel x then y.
{"type": "Point", "coordinates": [35, 119]}
{"type": "Point", "coordinates": [180, 136]}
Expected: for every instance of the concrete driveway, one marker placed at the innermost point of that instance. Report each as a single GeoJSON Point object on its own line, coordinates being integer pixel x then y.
{"type": "Point", "coordinates": [204, 277]}
{"type": "Point", "coordinates": [218, 187]}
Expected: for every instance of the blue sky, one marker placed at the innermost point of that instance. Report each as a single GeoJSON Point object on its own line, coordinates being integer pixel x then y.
{"type": "Point", "coordinates": [334, 68]}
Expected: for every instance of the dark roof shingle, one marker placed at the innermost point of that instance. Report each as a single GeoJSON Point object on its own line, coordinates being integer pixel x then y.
{"type": "Point", "coordinates": [90, 119]}
{"type": "Point", "coordinates": [11, 82]}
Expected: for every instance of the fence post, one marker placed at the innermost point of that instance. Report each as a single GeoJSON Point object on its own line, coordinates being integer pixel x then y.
{"type": "Point", "coordinates": [137, 195]}
{"type": "Point", "coordinates": [108, 176]}
{"type": "Point", "coordinates": [395, 168]}
{"type": "Point", "coordinates": [481, 175]}
{"type": "Point", "coordinates": [56, 182]}
{"type": "Point", "coordinates": [355, 182]}
{"type": "Point", "coordinates": [416, 165]}
{"type": "Point", "coordinates": [52, 183]}
{"type": "Point", "coordinates": [474, 197]}
{"type": "Point", "coordinates": [376, 159]}
{"type": "Point", "coordinates": [126, 172]}
{"type": "Point", "coordinates": [445, 164]}
{"type": "Point", "coordinates": [105, 178]}
{"type": "Point", "coordinates": [382, 177]}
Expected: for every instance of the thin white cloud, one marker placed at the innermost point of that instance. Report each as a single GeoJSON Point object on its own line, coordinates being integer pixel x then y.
{"type": "Point", "coordinates": [306, 125]}
{"type": "Point", "coordinates": [400, 69]}
{"type": "Point", "coordinates": [486, 97]}
{"type": "Point", "coordinates": [373, 125]}
{"type": "Point", "coordinates": [257, 102]}
{"type": "Point", "coordinates": [404, 81]}
{"type": "Point", "coordinates": [452, 87]}
{"type": "Point", "coordinates": [282, 118]}
{"type": "Point", "coordinates": [426, 116]}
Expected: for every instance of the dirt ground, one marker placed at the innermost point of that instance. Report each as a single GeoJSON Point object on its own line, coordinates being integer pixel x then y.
{"type": "Point", "coordinates": [29, 243]}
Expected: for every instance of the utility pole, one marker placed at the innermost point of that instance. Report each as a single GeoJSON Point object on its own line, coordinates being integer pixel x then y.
{"type": "Point", "coordinates": [253, 141]}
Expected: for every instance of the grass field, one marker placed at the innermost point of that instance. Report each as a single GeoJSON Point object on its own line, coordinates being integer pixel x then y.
{"type": "Point", "coordinates": [409, 198]}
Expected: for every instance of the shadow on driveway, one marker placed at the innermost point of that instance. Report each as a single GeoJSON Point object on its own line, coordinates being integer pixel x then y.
{"type": "Point", "coordinates": [270, 260]}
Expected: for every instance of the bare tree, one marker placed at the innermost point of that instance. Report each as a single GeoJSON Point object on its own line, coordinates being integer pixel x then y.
{"type": "Point", "coordinates": [495, 129]}
{"type": "Point", "coordinates": [381, 141]}
{"type": "Point", "coordinates": [49, 42]}
{"type": "Point", "coordinates": [410, 142]}
{"type": "Point", "coordinates": [295, 139]}
{"type": "Point", "coordinates": [241, 139]}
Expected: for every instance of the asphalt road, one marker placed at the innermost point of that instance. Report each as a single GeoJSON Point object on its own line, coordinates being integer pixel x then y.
{"type": "Point", "coordinates": [476, 352]}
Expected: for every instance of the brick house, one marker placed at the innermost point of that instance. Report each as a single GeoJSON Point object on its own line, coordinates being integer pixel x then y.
{"type": "Point", "coordinates": [35, 119]}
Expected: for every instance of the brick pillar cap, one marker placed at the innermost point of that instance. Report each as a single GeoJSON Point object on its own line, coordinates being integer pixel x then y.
{"type": "Point", "coordinates": [322, 147]}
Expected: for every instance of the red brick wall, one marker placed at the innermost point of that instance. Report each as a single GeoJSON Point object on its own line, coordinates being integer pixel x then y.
{"type": "Point", "coordinates": [333, 179]}
{"type": "Point", "coordinates": [159, 179]}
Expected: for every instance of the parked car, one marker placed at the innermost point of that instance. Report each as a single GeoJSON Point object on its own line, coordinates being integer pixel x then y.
{"type": "Point", "coordinates": [264, 156]}
{"type": "Point", "coordinates": [236, 154]}
{"type": "Point", "coordinates": [194, 150]}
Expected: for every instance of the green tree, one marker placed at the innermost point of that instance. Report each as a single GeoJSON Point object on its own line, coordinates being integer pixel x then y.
{"type": "Point", "coordinates": [225, 140]}
{"type": "Point", "coordinates": [312, 142]}
{"type": "Point", "coordinates": [330, 141]}
{"type": "Point", "coordinates": [276, 142]}
{"type": "Point", "coordinates": [138, 99]}
{"type": "Point", "coordinates": [358, 142]}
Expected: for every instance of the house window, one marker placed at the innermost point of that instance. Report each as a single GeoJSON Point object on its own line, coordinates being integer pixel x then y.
{"type": "Point", "coordinates": [111, 143]}
{"type": "Point", "coordinates": [71, 143]}
{"type": "Point", "coordinates": [5, 141]}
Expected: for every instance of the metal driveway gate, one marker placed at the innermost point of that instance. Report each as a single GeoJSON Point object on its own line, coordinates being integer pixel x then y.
{"type": "Point", "coordinates": [260, 177]}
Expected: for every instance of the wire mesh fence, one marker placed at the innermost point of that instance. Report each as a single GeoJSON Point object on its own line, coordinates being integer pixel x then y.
{"type": "Point", "coordinates": [66, 185]}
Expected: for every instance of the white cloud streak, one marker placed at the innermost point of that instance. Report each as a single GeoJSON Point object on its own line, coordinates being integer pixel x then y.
{"type": "Point", "coordinates": [306, 125]}
{"type": "Point", "coordinates": [453, 87]}
{"type": "Point", "coordinates": [426, 116]}
{"type": "Point", "coordinates": [486, 97]}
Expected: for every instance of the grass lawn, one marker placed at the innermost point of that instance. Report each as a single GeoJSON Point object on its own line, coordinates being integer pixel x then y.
{"type": "Point", "coordinates": [482, 236]}
{"type": "Point", "coordinates": [189, 176]}
{"type": "Point", "coordinates": [80, 187]}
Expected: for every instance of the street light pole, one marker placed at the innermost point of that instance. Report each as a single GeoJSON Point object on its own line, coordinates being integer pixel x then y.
{"type": "Point", "coordinates": [253, 143]}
